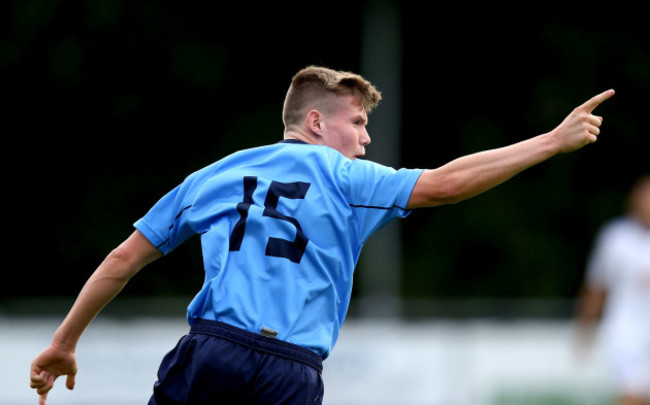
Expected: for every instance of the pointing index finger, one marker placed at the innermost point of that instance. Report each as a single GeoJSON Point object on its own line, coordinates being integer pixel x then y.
{"type": "Point", "coordinates": [592, 103]}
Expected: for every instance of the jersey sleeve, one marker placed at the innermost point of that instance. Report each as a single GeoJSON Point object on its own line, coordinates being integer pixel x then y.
{"type": "Point", "coordinates": [166, 224]}
{"type": "Point", "coordinates": [378, 194]}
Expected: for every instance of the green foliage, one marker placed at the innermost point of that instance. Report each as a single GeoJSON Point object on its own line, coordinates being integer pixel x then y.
{"type": "Point", "coordinates": [112, 103]}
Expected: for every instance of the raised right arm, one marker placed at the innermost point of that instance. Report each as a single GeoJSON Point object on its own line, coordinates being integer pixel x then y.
{"type": "Point", "coordinates": [474, 174]}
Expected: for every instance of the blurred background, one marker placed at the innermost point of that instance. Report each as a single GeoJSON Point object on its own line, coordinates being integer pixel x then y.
{"type": "Point", "coordinates": [109, 104]}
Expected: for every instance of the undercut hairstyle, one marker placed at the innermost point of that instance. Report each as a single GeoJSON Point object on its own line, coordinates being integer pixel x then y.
{"type": "Point", "coordinates": [314, 87]}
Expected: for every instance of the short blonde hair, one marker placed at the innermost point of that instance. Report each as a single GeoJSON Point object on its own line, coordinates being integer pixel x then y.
{"type": "Point", "coordinates": [314, 86]}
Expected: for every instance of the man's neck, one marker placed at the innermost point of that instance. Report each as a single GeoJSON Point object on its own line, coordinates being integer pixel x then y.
{"type": "Point", "coordinates": [299, 136]}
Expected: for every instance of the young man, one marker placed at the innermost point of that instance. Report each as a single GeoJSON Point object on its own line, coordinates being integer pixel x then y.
{"type": "Point", "coordinates": [617, 287]}
{"type": "Point", "coordinates": [281, 230]}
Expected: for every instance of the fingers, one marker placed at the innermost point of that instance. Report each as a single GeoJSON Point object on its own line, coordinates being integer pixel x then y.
{"type": "Point", "coordinates": [592, 103]}
{"type": "Point", "coordinates": [591, 138]}
{"type": "Point", "coordinates": [595, 120]}
{"type": "Point", "coordinates": [38, 380]}
{"type": "Point", "coordinates": [594, 124]}
{"type": "Point", "coordinates": [46, 387]}
{"type": "Point", "coordinates": [69, 382]}
{"type": "Point", "coordinates": [43, 383]}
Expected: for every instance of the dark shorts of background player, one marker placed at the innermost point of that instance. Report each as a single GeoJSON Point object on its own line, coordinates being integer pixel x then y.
{"type": "Point", "coordinates": [218, 363]}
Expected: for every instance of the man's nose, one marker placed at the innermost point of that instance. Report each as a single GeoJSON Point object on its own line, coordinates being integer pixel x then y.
{"type": "Point", "coordinates": [365, 139]}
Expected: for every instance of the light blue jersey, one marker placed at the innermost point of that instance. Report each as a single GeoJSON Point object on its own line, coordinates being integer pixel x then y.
{"type": "Point", "coordinates": [281, 228]}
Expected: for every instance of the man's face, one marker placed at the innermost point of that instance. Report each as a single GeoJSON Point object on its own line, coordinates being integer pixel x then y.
{"type": "Point", "coordinates": [344, 127]}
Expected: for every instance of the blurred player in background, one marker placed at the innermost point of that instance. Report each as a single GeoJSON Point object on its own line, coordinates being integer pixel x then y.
{"type": "Point", "coordinates": [617, 291]}
{"type": "Point", "coordinates": [281, 229]}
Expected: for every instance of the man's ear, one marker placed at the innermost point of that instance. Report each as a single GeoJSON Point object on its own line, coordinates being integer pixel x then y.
{"type": "Point", "coordinates": [315, 122]}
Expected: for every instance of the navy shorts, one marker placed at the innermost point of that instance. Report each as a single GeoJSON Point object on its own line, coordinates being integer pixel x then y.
{"type": "Point", "coordinates": [218, 363]}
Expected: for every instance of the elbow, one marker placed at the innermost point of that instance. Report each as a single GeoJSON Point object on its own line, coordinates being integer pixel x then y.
{"type": "Point", "coordinates": [120, 264]}
{"type": "Point", "coordinates": [451, 191]}
{"type": "Point", "coordinates": [448, 188]}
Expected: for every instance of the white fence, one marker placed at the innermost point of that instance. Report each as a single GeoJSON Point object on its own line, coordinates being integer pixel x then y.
{"type": "Point", "coordinates": [376, 362]}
